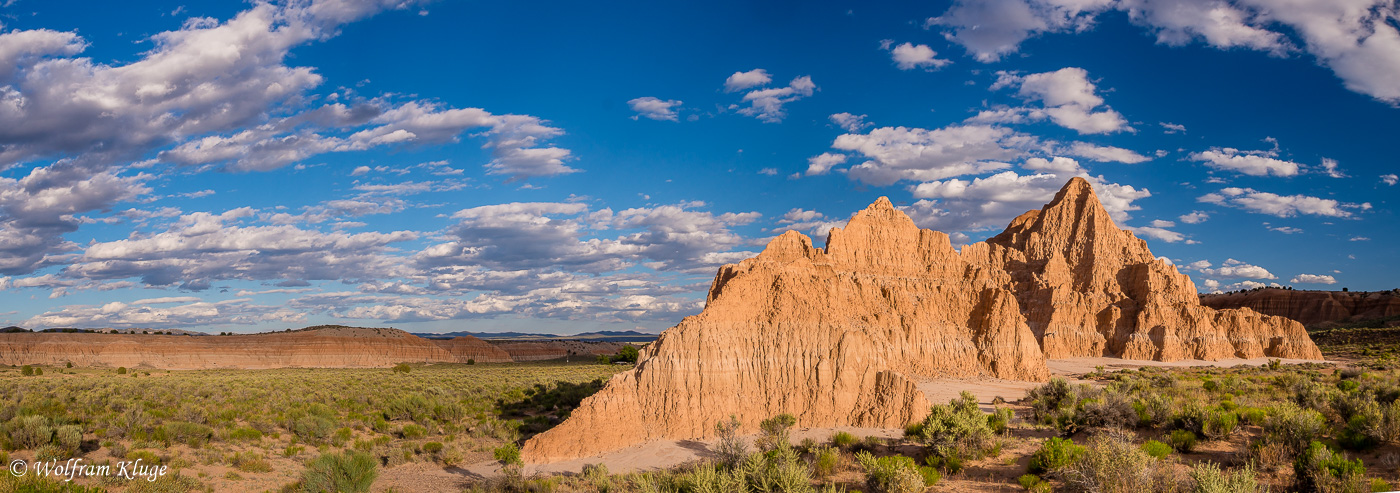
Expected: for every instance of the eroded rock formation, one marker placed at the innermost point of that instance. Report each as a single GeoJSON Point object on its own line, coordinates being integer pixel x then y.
{"type": "Point", "coordinates": [1312, 308]}
{"type": "Point", "coordinates": [468, 348]}
{"type": "Point", "coordinates": [838, 336]}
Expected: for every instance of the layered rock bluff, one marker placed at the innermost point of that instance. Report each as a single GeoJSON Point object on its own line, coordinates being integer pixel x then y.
{"type": "Point", "coordinates": [839, 336]}
{"type": "Point", "coordinates": [1317, 309]}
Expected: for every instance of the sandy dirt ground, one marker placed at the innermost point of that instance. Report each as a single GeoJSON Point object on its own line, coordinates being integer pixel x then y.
{"type": "Point", "coordinates": [666, 454]}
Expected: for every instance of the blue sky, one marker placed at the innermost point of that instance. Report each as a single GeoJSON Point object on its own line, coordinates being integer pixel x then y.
{"type": "Point", "coordinates": [568, 167]}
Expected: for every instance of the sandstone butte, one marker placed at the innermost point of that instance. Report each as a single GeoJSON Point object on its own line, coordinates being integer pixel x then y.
{"type": "Point", "coordinates": [839, 336]}
{"type": "Point", "coordinates": [1312, 308]}
{"type": "Point", "coordinates": [334, 347]}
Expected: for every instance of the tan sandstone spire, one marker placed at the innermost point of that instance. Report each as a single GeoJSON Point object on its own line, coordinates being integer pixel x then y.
{"type": "Point", "coordinates": [838, 336]}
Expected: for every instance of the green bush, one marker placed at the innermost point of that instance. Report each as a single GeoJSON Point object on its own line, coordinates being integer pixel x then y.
{"type": "Point", "coordinates": [956, 431]}
{"type": "Point", "coordinates": [192, 434]}
{"type": "Point", "coordinates": [1033, 483]}
{"type": "Point", "coordinates": [508, 454]}
{"type": "Point", "coordinates": [1056, 454]}
{"type": "Point", "coordinates": [775, 432]}
{"type": "Point", "coordinates": [1219, 424]}
{"type": "Point", "coordinates": [1318, 468]}
{"type": "Point", "coordinates": [1156, 449]}
{"type": "Point", "coordinates": [349, 472]}
{"type": "Point", "coordinates": [1253, 415]}
{"type": "Point", "coordinates": [121, 370]}
{"type": "Point", "coordinates": [825, 460]}
{"type": "Point", "coordinates": [843, 440]}
{"type": "Point", "coordinates": [402, 368]}
{"type": "Point", "coordinates": [432, 447]}
{"type": "Point", "coordinates": [245, 434]}
{"type": "Point", "coordinates": [931, 476]}
{"type": "Point", "coordinates": [1183, 441]}
{"type": "Point", "coordinates": [250, 462]}
{"type": "Point", "coordinates": [26, 370]}
{"type": "Point", "coordinates": [1210, 479]}
{"type": "Point", "coordinates": [1000, 419]}
{"type": "Point", "coordinates": [893, 474]}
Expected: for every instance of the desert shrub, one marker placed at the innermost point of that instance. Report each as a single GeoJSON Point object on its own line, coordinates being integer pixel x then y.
{"type": "Point", "coordinates": [775, 432]}
{"type": "Point", "coordinates": [412, 431]}
{"type": "Point", "coordinates": [1378, 484]}
{"type": "Point", "coordinates": [69, 438]}
{"type": "Point", "coordinates": [27, 432]}
{"type": "Point", "coordinates": [842, 440]}
{"type": "Point", "coordinates": [1000, 419]}
{"type": "Point", "coordinates": [1219, 424]}
{"type": "Point", "coordinates": [1208, 478]}
{"type": "Point", "coordinates": [50, 452]}
{"type": "Point", "coordinates": [402, 368]}
{"type": "Point", "coordinates": [1153, 410]}
{"type": "Point", "coordinates": [776, 471]}
{"type": "Point", "coordinates": [313, 429]}
{"type": "Point", "coordinates": [1310, 394]}
{"type": "Point", "coordinates": [596, 477]}
{"type": "Point", "coordinates": [1320, 469]}
{"type": "Point", "coordinates": [1189, 416]}
{"type": "Point", "coordinates": [341, 472]}
{"type": "Point", "coordinates": [1347, 385]}
{"type": "Point", "coordinates": [121, 370]}
{"type": "Point", "coordinates": [893, 474]}
{"type": "Point", "coordinates": [1293, 426]}
{"type": "Point", "coordinates": [1156, 449]}
{"type": "Point", "coordinates": [508, 454]}
{"type": "Point", "coordinates": [825, 460]}
{"type": "Point", "coordinates": [250, 462]}
{"type": "Point", "coordinates": [432, 447]}
{"type": "Point", "coordinates": [245, 434]}
{"type": "Point", "coordinates": [1054, 455]}
{"type": "Point", "coordinates": [731, 449]}
{"type": "Point", "coordinates": [1111, 463]}
{"type": "Point", "coordinates": [1047, 399]}
{"type": "Point", "coordinates": [1033, 483]}
{"type": "Point", "coordinates": [1183, 441]}
{"type": "Point", "coordinates": [1109, 409]}
{"type": "Point", "coordinates": [191, 434]}
{"type": "Point", "coordinates": [26, 371]}
{"type": "Point", "coordinates": [1252, 415]}
{"type": "Point", "coordinates": [1210, 385]}
{"type": "Point", "coordinates": [931, 476]}
{"type": "Point", "coordinates": [955, 431]}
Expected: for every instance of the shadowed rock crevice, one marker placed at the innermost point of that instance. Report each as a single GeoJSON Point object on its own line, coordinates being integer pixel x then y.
{"type": "Point", "coordinates": [838, 336]}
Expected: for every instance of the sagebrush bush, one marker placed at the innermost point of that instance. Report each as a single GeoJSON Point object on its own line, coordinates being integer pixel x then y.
{"type": "Point", "coordinates": [349, 472]}
{"type": "Point", "coordinates": [1219, 424]}
{"type": "Point", "coordinates": [27, 432]}
{"type": "Point", "coordinates": [1208, 478]}
{"type": "Point", "coordinates": [1111, 463]}
{"type": "Point", "coordinates": [1054, 455]}
{"type": "Point", "coordinates": [69, 438]}
{"type": "Point", "coordinates": [893, 474]}
{"type": "Point", "coordinates": [1293, 426]}
{"type": "Point", "coordinates": [508, 454]}
{"type": "Point", "coordinates": [731, 449]}
{"type": "Point", "coordinates": [825, 461]}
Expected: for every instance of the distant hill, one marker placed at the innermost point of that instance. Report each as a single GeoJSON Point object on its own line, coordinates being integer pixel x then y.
{"type": "Point", "coordinates": [600, 336]}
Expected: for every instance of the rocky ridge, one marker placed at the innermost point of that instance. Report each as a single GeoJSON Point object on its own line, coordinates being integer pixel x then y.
{"type": "Point", "coordinates": [1313, 309]}
{"type": "Point", "coordinates": [839, 336]}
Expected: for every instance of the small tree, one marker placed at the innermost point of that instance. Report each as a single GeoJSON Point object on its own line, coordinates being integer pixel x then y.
{"type": "Point", "coordinates": [402, 368]}
{"type": "Point", "coordinates": [26, 370]}
{"type": "Point", "coordinates": [628, 354]}
{"type": "Point", "coordinates": [121, 370]}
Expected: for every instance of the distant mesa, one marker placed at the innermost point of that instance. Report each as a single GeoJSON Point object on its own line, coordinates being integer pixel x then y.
{"type": "Point", "coordinates": [1316, 309]}
{"type": "Point", "coordinates": [842, 335]}
{"type": "Point", "coordinates": [322, 346]}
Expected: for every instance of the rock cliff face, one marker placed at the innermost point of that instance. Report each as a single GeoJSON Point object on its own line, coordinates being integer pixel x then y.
{"type": "Point", "coordinates": [1311, 308]}
{"type": "Point", "coordinates": [839, 336]}
{"type": "Point", "coordinates": [313, 348]}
